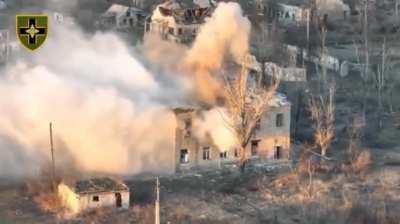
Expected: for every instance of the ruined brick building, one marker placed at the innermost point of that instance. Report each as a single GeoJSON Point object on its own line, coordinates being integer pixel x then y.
{"type": "Point", "coordinates": [179, 21]}
{"type": "Point", "coordinates": [270, 142]}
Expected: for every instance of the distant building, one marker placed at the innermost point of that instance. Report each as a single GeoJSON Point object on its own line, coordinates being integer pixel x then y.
{"type": "Point", "coordinates": [101, 192]}
{"type": "Point", "coordinates": [141, 4]}
{"type": "Point", "coordinates": [290, 14]}
{"type": "Point", "coordinates": [63, 19]}
{"type": "Point", "coordinates": [287, 12]}
{"type": "Point", "coordinates": [298, 12]}
{"type": "Point", "coordinates": [287, 74]}
{"type": "Point", "coordinates": [121, 17]}
{"type": "Point", "coordinates": [270, 142]}
{"type": "Point", "coordinates": [179, 21]}
{"type": "Point", "coordinates": [332, 62]}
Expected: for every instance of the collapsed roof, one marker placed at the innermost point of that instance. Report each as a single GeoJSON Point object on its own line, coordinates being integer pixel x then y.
{"type": "Point", "coordinates": [187, 4]}
{"type": "Point", "coordinates": [96, 185]}
{"type": "Point", "coordinates": [187, 11]}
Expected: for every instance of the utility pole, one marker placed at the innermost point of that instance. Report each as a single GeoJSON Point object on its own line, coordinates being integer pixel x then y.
{"type": "Point", "coordinates": [157, 203]}
{"type": "Point", "coordinates": [53, 164]}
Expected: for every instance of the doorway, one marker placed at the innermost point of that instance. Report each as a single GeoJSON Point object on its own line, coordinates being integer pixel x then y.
{"type": "Point", "coordinates": [118, 200]}
{"type": "Point", "coordinates": [278, 152]}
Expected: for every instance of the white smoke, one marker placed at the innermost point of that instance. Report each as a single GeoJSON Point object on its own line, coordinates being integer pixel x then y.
{"type": "Point", "coordinates": [223, 37]}
{"type": "Point", "coordinates": [110, 113]}
{"type": "Point", "coordinates": [214, 124]}
{"type": "Point", "coordinates": [107, 109]}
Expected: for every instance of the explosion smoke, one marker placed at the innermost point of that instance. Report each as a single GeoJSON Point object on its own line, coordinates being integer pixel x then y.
{"type": "Point", "coordinates": [106, 107]}
{"type": "Point", "coordinates": [214, 124]}
{"type": "Point", "coordinates": [110, 113]}
{"type": "Point", "coordinates": [69, 200]}
{"type": "Point", "coordinates": [216, 43]}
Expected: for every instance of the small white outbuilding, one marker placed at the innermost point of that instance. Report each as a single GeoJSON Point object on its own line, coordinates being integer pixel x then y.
{"type": "Point", "coordinates": [102, 192]}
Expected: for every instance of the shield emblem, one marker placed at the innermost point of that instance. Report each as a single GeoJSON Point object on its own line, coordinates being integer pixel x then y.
{"type": "Point", "coordinates": [32, 30]}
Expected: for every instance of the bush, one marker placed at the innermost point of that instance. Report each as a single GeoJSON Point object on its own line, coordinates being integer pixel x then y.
{"type": "Point", "coordinates": [362, 162]}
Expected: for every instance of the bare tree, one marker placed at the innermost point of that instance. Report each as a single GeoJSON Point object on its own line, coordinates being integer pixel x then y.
{"type": "Point", "coordinates": [246, 102]}
{"type": "Point", "coordinates": [365, 73]}
{"type": "Point", "coordinates": [322, 111]}
{"type": "Point", "coordinates": [380, 81]}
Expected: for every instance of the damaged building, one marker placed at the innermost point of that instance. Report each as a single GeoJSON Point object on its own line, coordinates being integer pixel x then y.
{"type": "Point", "coordinates": [101, 192]}
{"type": "Point", "coordinates": [294, 12]}
{"type": "Point", "coordinates": [270, 142]}
{"type": "Point", "coordinates": [179, 21]}
{"type": "Point", "coordinates": [121, 17]}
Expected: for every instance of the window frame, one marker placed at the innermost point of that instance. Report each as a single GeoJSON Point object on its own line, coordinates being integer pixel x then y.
{"type": "Point", "coordinates": [206, 153]}
{"type": "Point", "coordinates": [254, 147]}
{"type": "Point", "coordinates": [279, 120]}
{"type": "Point", "coordinates": [223, 155]}
{"type": "Point", "coordinates": [95, 198]}
{"type": "Point", "coordinates": [181, 158]}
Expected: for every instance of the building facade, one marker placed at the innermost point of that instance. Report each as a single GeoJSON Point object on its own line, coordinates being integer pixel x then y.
{"type": "Point", "coordinates": [271, 141]}
{"type": "Point", "coordinates": [121, 17]}
{"type": "Point", "coordinates": [178, 21]}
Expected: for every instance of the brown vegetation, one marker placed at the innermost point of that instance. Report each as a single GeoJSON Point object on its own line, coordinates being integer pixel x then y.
{"type": "Point", "coordinates": [246, 103]}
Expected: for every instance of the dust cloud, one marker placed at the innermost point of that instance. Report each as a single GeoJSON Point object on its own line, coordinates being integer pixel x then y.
{"type": "Point", "coordinates": [110, 108]}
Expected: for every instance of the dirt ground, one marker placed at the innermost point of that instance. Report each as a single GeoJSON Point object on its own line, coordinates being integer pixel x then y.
{"type": "Point", "coordinates": [226, 196]}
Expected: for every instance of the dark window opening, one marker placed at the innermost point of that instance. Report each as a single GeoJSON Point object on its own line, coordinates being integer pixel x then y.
{"type": "Point", "coordinates": [278, 152]}
{"type": "Point", "coordinates": [180, 32]}
{"type": "Point", "coordinates": [95, 198]}
{"type": "Point", "coordinates": [223, 155]}
{"type": "Point", "coordinates": [188, 124]}
{"type": "Point", "coordinates": [236, 153]}
{"type": "Point", "coordinates": [254, 147]}
{"type": "Point", "coordinates": [279, 120]}
{"type": "Point", "coordinates": [171, 30]}
{"type": "Point", "coordinates": [206, 153]}
{"type": "Point", "coordinates": [188, 127]}
{"type": "Point", "coordinates": [118, 200]}
{"type": "Point", "coordinates": [184, 158]}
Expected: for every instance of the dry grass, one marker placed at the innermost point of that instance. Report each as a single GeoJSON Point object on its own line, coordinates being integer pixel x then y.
{"type": "Point", "coordinates": [362, 162]}
{"type": "Point", "coordinates": [144, 213]}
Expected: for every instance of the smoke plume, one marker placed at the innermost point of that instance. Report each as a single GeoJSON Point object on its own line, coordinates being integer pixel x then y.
{"type": "Point", "coordinates": [213, 124]}
{"type": "Point", "coordinates": [224, 37]}
{"type": "Point", "coordinates": [111, 113]}
{"type": "Point", "coordinates": [107, 109]}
